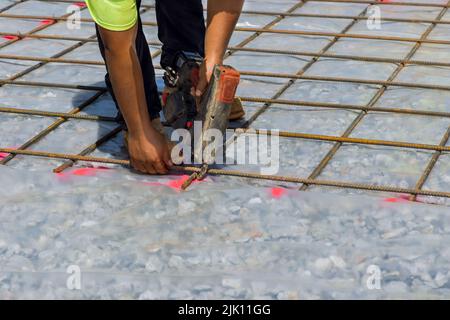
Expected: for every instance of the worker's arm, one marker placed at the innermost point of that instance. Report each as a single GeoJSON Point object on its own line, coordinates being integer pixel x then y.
{"type": "Point", "coordinates": [222, 18]}
{"type": "Point", "coordinates": [148, 151]}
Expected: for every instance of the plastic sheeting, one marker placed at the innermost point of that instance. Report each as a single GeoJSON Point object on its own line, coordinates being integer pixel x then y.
{"type": "Point", "coordinates": [135, 236]}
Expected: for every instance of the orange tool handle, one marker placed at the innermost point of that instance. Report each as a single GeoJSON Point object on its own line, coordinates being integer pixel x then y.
{"type": "Point", "coordinates": [228, 83]}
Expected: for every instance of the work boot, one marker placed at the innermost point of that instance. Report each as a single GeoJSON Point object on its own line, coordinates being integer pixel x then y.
{"type": "Point", "coordinates": [237, 110]}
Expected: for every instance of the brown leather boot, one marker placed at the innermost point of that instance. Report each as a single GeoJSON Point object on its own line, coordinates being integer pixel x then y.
{"type": "Point", "coordinates": [237, 110]}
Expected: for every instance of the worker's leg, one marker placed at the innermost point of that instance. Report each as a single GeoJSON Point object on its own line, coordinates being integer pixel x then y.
{"type": "Point", "coordinates": [151, 90]}
{"type": "Point", "coordinates": [181, 27]}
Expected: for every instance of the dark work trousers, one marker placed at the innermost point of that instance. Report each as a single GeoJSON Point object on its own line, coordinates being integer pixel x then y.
{"type": "Point", "coordinates": [181, 27]}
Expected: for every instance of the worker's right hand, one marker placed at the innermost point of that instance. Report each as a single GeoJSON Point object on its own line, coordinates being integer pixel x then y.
{"type": "Point", "coordinates": [149, 152]}
{"type": "Point", "coordinates": [205, 74]}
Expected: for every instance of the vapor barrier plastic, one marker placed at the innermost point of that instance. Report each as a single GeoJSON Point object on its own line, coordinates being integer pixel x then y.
{"type": "Point", "coordinates": [142, 238]}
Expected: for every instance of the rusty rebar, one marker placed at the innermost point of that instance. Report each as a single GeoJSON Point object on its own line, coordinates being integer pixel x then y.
{"type": "Point", "coordinates": [325, 161]}
{"type": "Point", "coordinates": [229, 53]}
{"type": "Point", "coordinates": [52, 127]}
{"type": "Point", "coordinates": [368, 2]}
{"type": "Point", "coordinates": [252, 12]}
{"type": "Point", "coordinates": [260, 74]}
{"type": "Point", "coordinates": [90, 148]}
{"type": "Point", "coordinates": [60, 121]}
{"type": "Point", "coordinates": [231, 48]}
{"type": "Point", "coordinates": [188, 169]}
{"type": "Point", "coordinates": [307, 33]}
{"type": "Point", "coordinates": [294, 103]}
{"type": "Point", "coordinates": [431, 164]}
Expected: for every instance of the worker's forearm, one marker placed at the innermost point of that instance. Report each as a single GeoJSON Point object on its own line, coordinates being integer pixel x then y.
{"type": "Point", "coordinates": [127, 80]}
{"type": "Point", "coordinates": [147, 148]}
{"type": "Point", "coordinates": [222, 18]}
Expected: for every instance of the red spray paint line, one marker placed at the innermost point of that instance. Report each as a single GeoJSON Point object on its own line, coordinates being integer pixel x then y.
{"type": "Point", "coordinates": [84, 172]}
{"type": "Point", "coordinates": [277, 193]}
{"type": "Point", "coordinates": [174, 184]}
{"type": "Point", "coordinates": [395, 200]}
{"type": "Point", "coordinates": [403, 198]}
{"type": "Point", "coordinates": [47, 22]}
{"type": "Point", "coordinates": [88, 172]}
{"type": "Point", "coordinates": [3, 155]}
{"type": "Point", "coordinates": [80, 4]}
{"type": "Point", "coordinates": [93, 171]}
{"type": "Point", "coordinates": [10, 38]}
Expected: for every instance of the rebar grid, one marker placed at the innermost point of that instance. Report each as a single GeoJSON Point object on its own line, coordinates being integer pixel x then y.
{"type": "Point", "coordinates": [284, 134]}
{"type": "Point", "coordinates": [369, 2]}
{"type": "Point", "coordinates": [295, 103]}
{"type": "Point", "coordinates": [286, 32]}
{"type": "Point", "coordinates": [11, 5]}
{"type": "Point", "coordinates": [252, 12]}
{"type": "Point", "coordinates": [302, 71]}
{"type": "Point", "coordinates": [57, 123]}
{"type": "Point", "coordinates": [74, 111]}
{"type": "Point", "coordinates": [326, 160]}
{"type": "Point", "coordinates": [222, 172]}
{"type": "Point", "coordinates": [254, 50]}
{"type": "Point", "coordinates": [235, 48]}
{"type": "Point", "coordinates": [228, 54]}
{"type": "Point", "coordinates": [259, 74]}
{"type": "Point", "coordinates": [439, 149]}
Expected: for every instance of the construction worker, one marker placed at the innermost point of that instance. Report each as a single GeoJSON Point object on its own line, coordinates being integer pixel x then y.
{"type": "Point", "coordinates": [131, 77]}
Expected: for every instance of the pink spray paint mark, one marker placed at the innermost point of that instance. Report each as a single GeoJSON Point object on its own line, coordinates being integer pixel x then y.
{"type": "Point", "coordinates": [395, 200]}
{"type": "Point", "coordinates": [80, 4]}
{"type": "Point", "coordinates": [10, 37]}
{"type": "Point", "coordinates": [47, 21]}
{"type": "Point", "coordinates": [277, 193]}
{"type": "Point", "coordinates": [174, 184]}
{"type": "Point", "coordinates": [84, 172]}
{"type": "Point", "coordinates": [399, 198]}
{"type": "Point", "coordinates": [88, 172]}
{"type": "Point", "coordinates": [3, 155]}
{"type": "Point", "coordinates": [403, 198]}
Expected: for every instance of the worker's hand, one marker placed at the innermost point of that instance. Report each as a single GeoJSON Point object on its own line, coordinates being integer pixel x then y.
{"type": "Point", "coordinates": [149, 152]}
{"type": "Point", "coordinates": [206, 70]}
